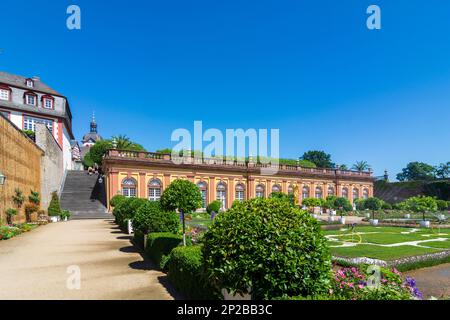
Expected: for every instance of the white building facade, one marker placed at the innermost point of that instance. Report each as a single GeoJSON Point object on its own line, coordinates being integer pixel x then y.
{"type": "Point", "coordinates": [27, 101]}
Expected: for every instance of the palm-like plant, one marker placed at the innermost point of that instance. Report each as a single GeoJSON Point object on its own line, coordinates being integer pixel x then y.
{"type": "Point", "coordinates": [361, 166]}
{"type": "Point", "coordinates": [122, 142]}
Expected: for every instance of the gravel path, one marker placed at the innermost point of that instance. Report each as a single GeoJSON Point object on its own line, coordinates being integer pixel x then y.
{"type": "Point", "coordinates": [433, 281]}
{"type": "Point", "coordinates": [35, 265]}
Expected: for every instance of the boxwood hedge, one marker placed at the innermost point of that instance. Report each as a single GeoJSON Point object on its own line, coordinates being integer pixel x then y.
{"type": "Point", "coordinates": [269, 248]}
{"type": "Point", "coordinates": [187, 273]}
{"type": "Point", "coordinates": [159, 246]}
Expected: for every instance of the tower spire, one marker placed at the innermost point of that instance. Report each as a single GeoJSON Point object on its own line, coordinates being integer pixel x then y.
{"type": "Point", "coordinates": [93, 123]}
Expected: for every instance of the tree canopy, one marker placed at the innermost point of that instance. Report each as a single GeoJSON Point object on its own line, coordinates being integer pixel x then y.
{"type": "Point", "coordinates": [417, 171]}
{"type": "Point", "coordinates": [319, 158]}
{"type": "Point", "coordinates": [181, 195]}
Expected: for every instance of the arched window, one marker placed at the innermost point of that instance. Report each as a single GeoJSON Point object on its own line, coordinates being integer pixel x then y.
{"type": "Point", "coordinates": [355, 194]}
{"type": "Point", "coordinates": [305, 192]}
{"type": "Point", "coordinates": [129, 187]}
{"type": "Point", "coordinates": [203, 187]}
{"type": "Point", "coordinates": [154, 190]}
{"type": "Point", "coordinates": [345, 193]}
{"type": "Point", "coordinates": [240, 192]}
{"type": "Point", "coordinates": [260, 191]}
{"type": "Point", "coordinates": [330, 191]}
{"type": "Point", "coordinates": [222, 194]}
{"type": "Point", "coordinates": [365, 193]}
{"type": "Point", "coordinates": [276, 188]}
{"type": "Point", "coordinates": [319, 193]}
{"type": "Point", "coordinates": [290, 189]}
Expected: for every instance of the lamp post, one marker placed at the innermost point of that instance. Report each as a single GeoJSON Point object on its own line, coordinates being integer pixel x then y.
{"type": "Point", "coordinates": [2, 179]}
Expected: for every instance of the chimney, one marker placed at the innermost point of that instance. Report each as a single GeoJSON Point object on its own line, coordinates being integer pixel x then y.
{"type": "Point", "coordinates": [36, 78]}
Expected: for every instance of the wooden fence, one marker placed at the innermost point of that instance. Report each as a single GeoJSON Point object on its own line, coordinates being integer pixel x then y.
{"type": "Point", "coordinates": [20, 162]}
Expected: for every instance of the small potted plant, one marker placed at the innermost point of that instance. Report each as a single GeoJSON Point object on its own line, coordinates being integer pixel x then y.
{"type": "Point", "coordinates": [54, 208]}
{"type": "Point", "coordinates": [65, 215]}
{"type": "Point", "coordinates": [10, 213]}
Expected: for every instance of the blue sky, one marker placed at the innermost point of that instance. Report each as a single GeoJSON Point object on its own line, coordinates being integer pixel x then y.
{"type": "Point", "coordinates": [310, 68]}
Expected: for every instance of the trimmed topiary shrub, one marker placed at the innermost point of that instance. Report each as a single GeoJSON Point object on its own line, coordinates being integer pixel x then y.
{"type": "Point", "coordinates": [54, 208]}
{"type": "Point", "coordinates": [213, 207]}
{"type": "Point", "coordinates": [126, 209]}
{"type": "Point", "coordinates": [116, 200]}
{"type": "Point", "coordinates": [187, 273]}
{"type": "Point", "coordinates": [152, 218]}
{"type": "Point", "coordinates": [269, 247]}
{"type": "Point", "coordinates": [160, 244]}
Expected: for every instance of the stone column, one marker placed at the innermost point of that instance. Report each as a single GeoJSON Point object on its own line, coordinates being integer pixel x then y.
{"type": "Point", "coordinates": [251, 188]}
{"type": "Point", "coordinates": [212, 189]}
{"type": "Point", "coordinates": [230, 193]}
{"type": "Point", "coordinates": [166, 181]}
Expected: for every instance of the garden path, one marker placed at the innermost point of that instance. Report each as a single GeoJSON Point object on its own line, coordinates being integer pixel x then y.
{"type": "Point", "coordinates": [433, 281]}
{"type": "Point", "coordinates": [35, 265]}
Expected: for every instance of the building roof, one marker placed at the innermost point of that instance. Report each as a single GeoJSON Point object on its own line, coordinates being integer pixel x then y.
{"type": "Point", "coordinates": [20, 82]}
{"type": "Point", "coordinates": [94, 136]}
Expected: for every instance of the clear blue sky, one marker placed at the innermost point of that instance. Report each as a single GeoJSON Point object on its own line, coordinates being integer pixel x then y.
{"type": "Point", "coordinates": [310, 68]}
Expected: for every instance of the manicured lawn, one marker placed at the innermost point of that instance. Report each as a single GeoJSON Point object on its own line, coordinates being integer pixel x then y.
{"type": "Point", "coordinates": [202, 220]}
{"type": "Point", "coordinates": [386, 243]}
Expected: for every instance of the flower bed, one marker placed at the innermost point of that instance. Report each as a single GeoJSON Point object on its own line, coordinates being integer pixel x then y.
{"type": "Point", "coordinates": [7, 232]}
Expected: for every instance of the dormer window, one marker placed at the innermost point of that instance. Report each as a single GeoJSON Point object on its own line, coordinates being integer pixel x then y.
{"type": "Point", "coordinates": [48, 102]}
{"type": "Point", "coordinates": [30, 83]}
{"type": "Point", "coordinates": [30, 98]}
{"type": "Point", "coordinates": [5, 93]}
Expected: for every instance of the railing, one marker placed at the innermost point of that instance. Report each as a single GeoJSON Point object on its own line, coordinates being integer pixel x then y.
{"type": "Point", "coordinates": [219, 161]}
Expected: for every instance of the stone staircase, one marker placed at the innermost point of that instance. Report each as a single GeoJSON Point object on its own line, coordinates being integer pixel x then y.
{"type": "Point", "coordinates": [84, 196]}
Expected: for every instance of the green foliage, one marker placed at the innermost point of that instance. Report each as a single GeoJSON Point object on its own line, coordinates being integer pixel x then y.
{"type": "Point", "coordinates": [421, 204]}
{"type": "Point", "coordinates": [98, 150]}
{"type": "Point", "coordinates": [416, 171]}
{"type": "Point", "coordinates": [181, 195]}
{"type": "Point", "coordinates": [306, 164]}
{"type": "Point", "coordinates": [65, 214]}
{"type": "Point", "coordinates": [312, 202]}
{"type": "Point", "coordinates": [122, 142]}
{"type": "Point", "coordinates": [360, 204]}
{"type": "Point", "coordinates": [87, 160]}
{"type": "Point", "coordinates": [159, 246]}
{"type": "Point", "coordinates": [18, 198]}
{"type": "Point", "coordinates": [54, 208]}
{"type": "Point", "coordinates": [442, 205]}
{"type": "Point", "coordinates": [152, 218]}
{"type": "Point", "coordinates": [126, 210]}
{"type": "Point", "coordinates": [373, 204]}
{"type": "Point", "coordinates": [438, 189]}
{"type": "Point", "coordinates": [338, 203]}
{"type": "Point", "coordinates": [213, 207]}
{"type": "Point", "coordinates": [386, 206]}
{"type": "Point", "coordinates": [30, 134]}
{"type": "Point", "coordinates": [118, 198]}
{"type": "Point", "coordinates": [361, 166]}
{"type": "Point", "coordinates": [319, 158]}
{"type": "Point", "coordinates": [443, 171]}
{"type": "Point", "coordinates": [268, 246]}
{"type": "Point", "coordinates": [34, 197]}
{"type": "Point", "coordinates": [283, 196]}
{"type": "Point", "coordinates": [187, 273]}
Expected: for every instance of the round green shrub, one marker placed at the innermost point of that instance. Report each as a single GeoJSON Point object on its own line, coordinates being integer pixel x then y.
{"type": "Point", "coordinates": [150, 217]}
{"type": "Point", "coordinates": [269, 247]}
{"type": "Point", "coordinates": [181, 195]}
{"type": "Point", "coordinates": [214, 207]}
{"type": "Point", "coordinates": [118, 198]}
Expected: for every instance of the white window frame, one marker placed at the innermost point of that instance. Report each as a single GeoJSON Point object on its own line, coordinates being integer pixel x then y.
{"type": "Point", "coordinates": [154, 190]}
{"type": "Point", "coordinates": [30, 83]}
{"type": "Point", "coordinates": [28, 96]}
{"type": "Point", "coordinates": [29, 123]}
{"type": "Point", "coordinates": [4, 94]}
{"type": "Point", "coordinates": [240, 193]}
{"type": "Point", "coordinates": [49, 101]}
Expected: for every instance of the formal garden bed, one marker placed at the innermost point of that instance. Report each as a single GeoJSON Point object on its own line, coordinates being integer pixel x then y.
{"type": "Point", "coordinates": [8, 232]}
{"type": "Point", "coordinates": [405, 248]}
{"type": "Point", "coordinates": [258, 249]}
